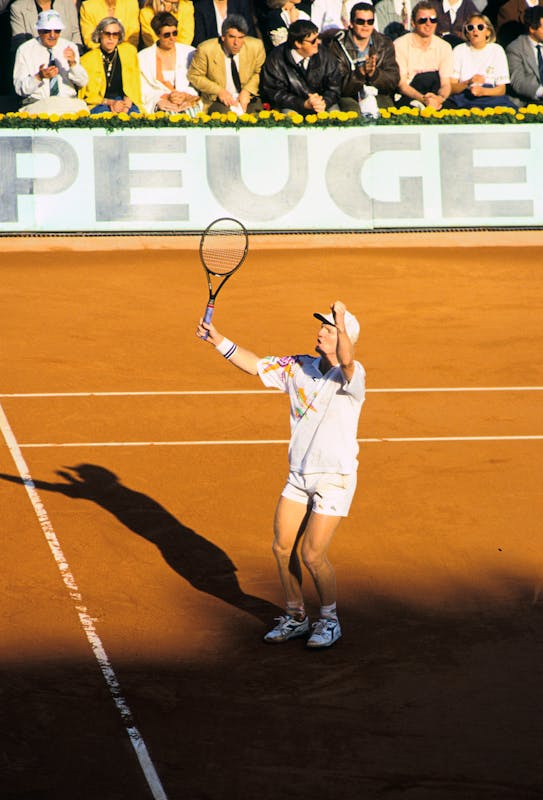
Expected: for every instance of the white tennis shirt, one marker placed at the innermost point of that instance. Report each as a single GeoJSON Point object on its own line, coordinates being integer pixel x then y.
{"type": "Point", "coordinates": [324, 412]}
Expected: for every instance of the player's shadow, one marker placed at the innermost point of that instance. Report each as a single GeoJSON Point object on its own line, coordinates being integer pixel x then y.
{"type": "Point", "coordinates": [200, 562]}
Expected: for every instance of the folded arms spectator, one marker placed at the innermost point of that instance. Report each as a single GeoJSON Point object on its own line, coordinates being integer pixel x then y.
{"type": "Point", "coordinates": [114, 74]}
{"type": "Point", "coordinates": [301, 76]}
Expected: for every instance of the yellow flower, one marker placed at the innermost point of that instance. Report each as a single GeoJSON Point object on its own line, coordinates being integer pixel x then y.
{"type": "Point", "coordinates": [83, 113]}
{"type": "Point", "coordinates": [350, 114]}
{"type": "Point", "coordinates": [124, 117]}
{"type": "Point", "coordinates": [231, 117]}
{"type": "Point", "coordinates": [54, 118]}
{"type": "Point", "coordinates": [43, 116]}
{"type": "Point", "coordinates": [520, 116]}
{"type": "Point", "coordinates": [264, 114]}
{"type": "Point", "coordinates": [279, 116]}
{"type": "Point", "coordinates": [297, 119]}
{"type": "Point", "coordinates": [311, 119]}
{"type": "Point", "coordinates": [385, 113]}
{"type": "Point", "coordinates": [203, 117]}
{"type": "Point", "coordinates": [216, 115]}
{"type": "Point", "coordinates": [323, 115]}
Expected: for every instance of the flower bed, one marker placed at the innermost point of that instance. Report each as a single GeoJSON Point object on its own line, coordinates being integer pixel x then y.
{"type": "Point", "coordinates": [271, 119]}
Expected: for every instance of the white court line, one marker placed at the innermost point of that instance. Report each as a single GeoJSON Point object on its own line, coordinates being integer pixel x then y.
{"type": "Point", "coordinates": [197, 393]}
{"type": "Point", "coordinates": [87, 622]}
{"type": "Point", "coordinates": [239, 442]}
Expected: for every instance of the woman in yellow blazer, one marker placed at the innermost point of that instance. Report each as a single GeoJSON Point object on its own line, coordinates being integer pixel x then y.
{"type": "Point", "coordinates": [92, 11]}
{"type": "Point", "coordinates": [114, 73]}
{"type": "Point", "coordinates": [182, 10]}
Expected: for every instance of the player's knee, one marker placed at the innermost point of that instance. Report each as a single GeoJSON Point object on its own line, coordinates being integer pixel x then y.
{"type": "Point", "coordinates": [280, 552]}
{"type": "Point", "coordinates": [313, 559]}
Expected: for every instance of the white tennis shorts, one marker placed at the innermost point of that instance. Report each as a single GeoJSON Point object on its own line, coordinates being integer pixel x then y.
{"type": "Point", "coordinates": [325, 493]}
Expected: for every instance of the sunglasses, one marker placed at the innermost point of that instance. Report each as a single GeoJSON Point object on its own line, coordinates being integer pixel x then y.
{"type": "Point", "coordinates": [113, 34]}
{"type": "Point", "coordinates": [46, 30]}
{"type": "Point", "coordinates": [424, 20]}
{"type": "Point", "coordinates": [369, 21]}
{"type": "Point", "coordinates": [312, 41]}
{"type": "Point", "coordinates": [168, 34]}
{"type": "Point", "coordinates": [479, 27]}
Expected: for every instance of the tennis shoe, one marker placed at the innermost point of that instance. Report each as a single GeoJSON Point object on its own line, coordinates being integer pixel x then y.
{"type": "Point", "coordinates": [326, 631]}
{"type": "Point", "coordinates": [287, 627]}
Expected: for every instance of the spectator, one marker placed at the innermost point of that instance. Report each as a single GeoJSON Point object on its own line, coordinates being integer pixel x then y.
{"type": "Point", "coordinates": [182, 10]}
{"type": "Point", "coordinates": [226, 71]}
{"type": "Point", "coordinates": [480, 71]}
{"type": "Point", "coordinates": [23, 15]}
{"type": "Point", "coordinates": [209, 16]}
{"type": "Point", "coordinates": [326, 14]}
{"type": "Point", "coordinates": [126, 11]}
{"type": "Point", "coordinates": [510, 20]}
{"type": "Point", "coordinates": [280, 16]}
{"type": "Point", "coordinates": [389, 11]}
{"type": "Point", "coordinates": [47, 72]}
{"type": "Point", "coordinates": [451, 18]}
{"type": "Point", "coordinates": [525, 56]}
{"type": "Point", "coordinates": [425, 61]}
{"type": "Point", "coordinates": [301, 76]}
{"type": "Point", "coordinates": [366, 58]}
{"type": "Point", "coordinates": [164, 82]}
{"type": "Point", "coordinates": [114, 73]}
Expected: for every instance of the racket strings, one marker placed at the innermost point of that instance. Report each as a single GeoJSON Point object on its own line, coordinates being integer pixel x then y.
{"type": "Point", "coordinates": [222, 252]}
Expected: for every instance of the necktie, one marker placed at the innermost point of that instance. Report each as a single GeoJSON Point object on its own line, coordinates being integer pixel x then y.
{"type": "Point", "coordinates": [235, 75]}
{"type": "Point", "coordinates": [540, 62]}
{"type": "Point", "coordinates": [405, 15]}
{"type": "Point", "coordinates": [53, 82]}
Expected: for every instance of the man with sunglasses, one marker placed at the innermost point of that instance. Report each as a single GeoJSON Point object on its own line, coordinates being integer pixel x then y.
{"type": "Point", "coordinates": [425, 61]}
{"type": "Point", "coordinates": [366, 58]}
{"type": "Point", "coordinates": [301, 76]}
{"type": "Point", "coordinates": [47, 73]}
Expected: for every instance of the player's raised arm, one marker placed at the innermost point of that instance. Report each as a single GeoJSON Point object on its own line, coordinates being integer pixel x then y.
{"type": "Point", "coordinates": [238, 356]}
{"type": "Point", "coordinates": [345, 347]}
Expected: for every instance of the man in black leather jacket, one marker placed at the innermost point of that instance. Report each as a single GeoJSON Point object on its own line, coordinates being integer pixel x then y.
{"type": "Point", "coordinates": [366, 58]}
{"type": "Point", "coordinates": [299, 75]}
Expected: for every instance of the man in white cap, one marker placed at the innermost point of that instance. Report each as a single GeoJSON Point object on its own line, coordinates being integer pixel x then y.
{"type": "Point", "coordinates": [47, 73]}
{"type": "Point", "coordinates": [326, 395]}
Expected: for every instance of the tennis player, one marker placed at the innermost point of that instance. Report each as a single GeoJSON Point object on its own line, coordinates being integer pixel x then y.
{"type": "Point", "coordinates": [326, 395]}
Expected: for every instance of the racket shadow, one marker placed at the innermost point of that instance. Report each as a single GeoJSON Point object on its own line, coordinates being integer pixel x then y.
{"type": "Point", "coordinates": [196, 559]}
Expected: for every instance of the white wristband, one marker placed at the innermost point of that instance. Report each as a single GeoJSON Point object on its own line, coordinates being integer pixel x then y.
{"type": "Point", "coordinates": [226, 348]}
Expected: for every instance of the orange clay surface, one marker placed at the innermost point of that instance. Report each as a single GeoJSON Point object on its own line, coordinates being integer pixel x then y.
{"type": "Point", "coordinates": [433, 693]}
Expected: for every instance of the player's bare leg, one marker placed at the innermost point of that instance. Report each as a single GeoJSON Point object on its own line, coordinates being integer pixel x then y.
{"type": "Point", "coordinates": [289, 524]}
{"type": "Point", "coordinates": [319, 532]}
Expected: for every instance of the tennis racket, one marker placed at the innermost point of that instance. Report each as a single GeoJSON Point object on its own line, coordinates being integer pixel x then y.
{"type": "Point", "coordinates": [223, 247]}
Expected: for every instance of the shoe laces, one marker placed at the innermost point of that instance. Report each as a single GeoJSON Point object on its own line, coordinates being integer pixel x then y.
{"type": "Point", "coordinates": [320, 626]}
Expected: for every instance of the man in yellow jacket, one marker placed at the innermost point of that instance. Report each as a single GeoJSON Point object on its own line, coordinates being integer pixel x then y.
{"type": "Point", "coordinates": [226, 71]}
{"type": "Point", "coordinates": [113, 68]}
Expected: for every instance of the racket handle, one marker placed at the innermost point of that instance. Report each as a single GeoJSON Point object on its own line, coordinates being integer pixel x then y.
{"type": "Point", "coordinates": [210, 308]}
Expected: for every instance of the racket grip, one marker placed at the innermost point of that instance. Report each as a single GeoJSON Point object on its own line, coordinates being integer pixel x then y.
{"type": "Point", "coordinates": [210, 308]}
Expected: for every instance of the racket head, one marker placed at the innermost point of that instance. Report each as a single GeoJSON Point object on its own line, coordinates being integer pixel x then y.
{"type": "Point", "coordinates": [223, 246]}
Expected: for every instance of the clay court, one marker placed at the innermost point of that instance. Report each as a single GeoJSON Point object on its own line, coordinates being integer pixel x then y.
{"type": "Point", "coordinates": [139, 578]}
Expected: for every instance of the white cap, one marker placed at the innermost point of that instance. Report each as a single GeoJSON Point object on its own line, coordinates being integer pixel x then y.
{"type": "Point", "coordinates": [49, 21]}
{"type": "Point", "coordinates": [352, 326]}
